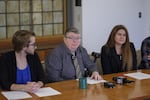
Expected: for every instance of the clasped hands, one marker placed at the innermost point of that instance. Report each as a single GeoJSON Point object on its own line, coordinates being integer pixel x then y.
{"type": "Point", "coordinates": [32, 86]}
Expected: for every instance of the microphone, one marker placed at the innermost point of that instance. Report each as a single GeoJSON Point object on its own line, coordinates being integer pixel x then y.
{"type": "Point", "coordinates": [73, 57]}
{"type": "Point", "coordinates": [95, 55]}
{"type": "Point", "coordinates": [121, 80]}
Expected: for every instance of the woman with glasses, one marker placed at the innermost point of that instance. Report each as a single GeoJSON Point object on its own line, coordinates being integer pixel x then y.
{"type": "Point", "coordinates": [21, 68]}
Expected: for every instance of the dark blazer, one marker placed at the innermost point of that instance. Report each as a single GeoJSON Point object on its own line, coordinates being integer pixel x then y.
{"type": "Point", "coordinates": [8, 69]}
{"type": "Point", "coordinates": [59, 63]}
{"type": "Point", "coordinates": [111, 62]}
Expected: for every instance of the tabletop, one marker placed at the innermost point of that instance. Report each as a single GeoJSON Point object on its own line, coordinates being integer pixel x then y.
{"type": "Point", "coordinates": [138, 90]}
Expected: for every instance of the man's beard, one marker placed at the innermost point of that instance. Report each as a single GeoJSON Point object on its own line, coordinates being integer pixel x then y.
{"type": "Point", "coordinates": [28, 53]}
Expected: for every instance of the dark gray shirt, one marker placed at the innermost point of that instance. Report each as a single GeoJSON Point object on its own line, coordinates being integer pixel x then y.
{"type": "Point", "coordinates": [145, 51]}
{"type": "Point", "coordinates": [59, 63]}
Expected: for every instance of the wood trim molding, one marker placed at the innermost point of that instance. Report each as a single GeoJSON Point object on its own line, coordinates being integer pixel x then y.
{"type": "Point", "coordinates": [5, 45]}
{"type": "Point", "coordinates": [49, 40]}
{"type": "Point", "coordinates": [44, 45]}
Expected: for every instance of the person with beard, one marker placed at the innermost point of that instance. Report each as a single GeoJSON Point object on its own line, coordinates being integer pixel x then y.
{"type": "Point", "coordinates": [21, 68]}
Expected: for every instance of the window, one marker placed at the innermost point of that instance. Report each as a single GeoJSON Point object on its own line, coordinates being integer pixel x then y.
{"type": "Point", "coordinates": [44, 17]}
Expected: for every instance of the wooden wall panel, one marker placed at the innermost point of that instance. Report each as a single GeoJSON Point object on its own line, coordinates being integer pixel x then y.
{"type": "Point", "coordinates": [44, 45]}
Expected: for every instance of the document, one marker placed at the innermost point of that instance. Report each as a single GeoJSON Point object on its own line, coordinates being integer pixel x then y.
{"type": "Point", "coordinates": [16, 95]}
{"type": "Point", "coordinates": [138, 75]}
{"type": "Point", "coordinates": [46, 91]}
{"type": "Point", "coordinates": [92, 81]}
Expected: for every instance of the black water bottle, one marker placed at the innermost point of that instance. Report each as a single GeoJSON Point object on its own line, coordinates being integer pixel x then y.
{"type": "Point", "coordinates": [86, 73]}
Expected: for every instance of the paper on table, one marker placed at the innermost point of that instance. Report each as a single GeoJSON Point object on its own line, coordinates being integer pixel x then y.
{"type": "Point", "coordinates": [138, 75]}
{"type": "Point", "coordinates": [92, 81]}
{"type": "Point", "coordinates": [16, 95]}
{"type": "Point", "coordinates": [46, 91]}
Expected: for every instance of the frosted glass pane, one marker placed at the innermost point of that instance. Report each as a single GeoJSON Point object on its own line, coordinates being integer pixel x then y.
{"type": "Point", "coordinates": [58, 29]}
{"type": "Point", "coordinates": [38, 30]}
{"type": "Point", "coordinates": [48, 30]}
{"type": "Point", "coordinates": [47, 5]}
{"type": "Point", "coordinates": [47, 17]}
{"type": "Point", "coordinates": [58, 5]}
{"type": "Point", "coordinates": [13, 19]}
{"type": "Point", "coordinates": [25, 18]}
{"type": "Point", "coordinates": [25, 27]}
{"type": "Point", "coordinates": [2, 20]}
{"type": "Point", "coordinates": [36, 5]}
{"type": "Point", "coordinates": [37, 18]}
{"type": "Point", "coordinates": [3, 32]}
{"type": "Point", "coordinates": [11, 31]}
{"type": "Point", "coordinates": [24, 6]}
{"type": "Point", "coordinates": [58, 17]}
{"type": "Point", "coordinates": [12, 6]}
{"type": "Point", "coordinates": [2, 7]}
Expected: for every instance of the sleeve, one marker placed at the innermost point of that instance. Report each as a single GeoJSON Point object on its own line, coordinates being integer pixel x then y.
{"type": "Point", "coordinates": [144, 53]}
{"type": "Point", "coordinates": [1, 78]}
{"type": "Point", "coordinates": [105, 60]}
{"type": "Point", "coordinates": [5, 77]}
{"type": "Point", "coordinates": [89, 64]}
{"type": "Point", "coordinates": [40, 70]}
{"type": "Point", "coordinates": [134, 57]}
{"type": "Point", "coordinates": [53, 63]}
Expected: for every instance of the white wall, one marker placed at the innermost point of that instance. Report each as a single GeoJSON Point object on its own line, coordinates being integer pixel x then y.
{"type": "Point", "coordinates": [147, 17]}
{"type": "Point", "coordinates": [100, 16]}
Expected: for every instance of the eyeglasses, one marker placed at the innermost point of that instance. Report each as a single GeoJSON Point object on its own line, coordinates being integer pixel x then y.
{"type": "Point", "coordinates": [74, 38]}
{"type": "Point", "coordinates": [33, 44]}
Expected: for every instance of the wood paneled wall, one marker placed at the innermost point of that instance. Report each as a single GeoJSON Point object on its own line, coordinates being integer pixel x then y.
{"type": "Point", "coordinates": [44, 45]}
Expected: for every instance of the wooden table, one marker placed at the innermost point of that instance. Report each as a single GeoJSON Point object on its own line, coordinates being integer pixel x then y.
{"type": "Point", "coordinates": [139, 90]}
